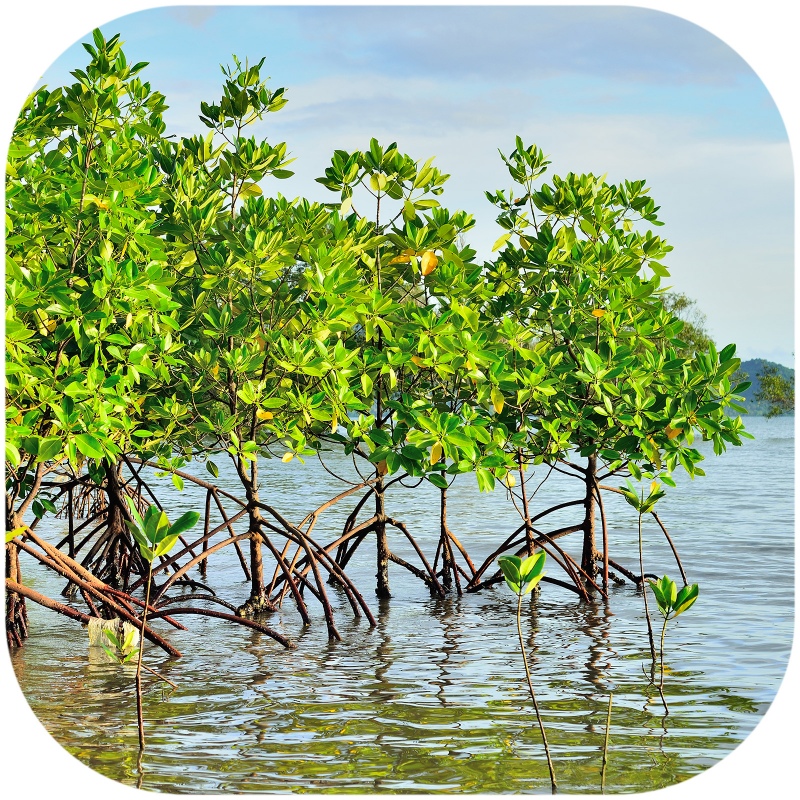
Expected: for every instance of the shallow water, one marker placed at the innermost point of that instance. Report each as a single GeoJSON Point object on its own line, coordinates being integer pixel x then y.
{"type": "Point", "coordinates": [434, 699]}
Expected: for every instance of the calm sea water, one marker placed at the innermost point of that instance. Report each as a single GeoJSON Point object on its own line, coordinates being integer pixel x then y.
{"type": "Point", "coordinates": [434, 699]}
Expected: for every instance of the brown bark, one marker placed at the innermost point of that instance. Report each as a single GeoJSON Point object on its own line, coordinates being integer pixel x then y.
{"type": "Point", "coordinates": [114, 565]}
{"type": "Point", "coordinates": [447, 553]}
{"type": "Point", "coordinates": [205, 612]}
{"type": "Point", "coordinates": [16, 613]}
{"type": "Point", "coordinates": [74, 572]}
{"type": "Point", "coordinates": [382, 575]}
{"type": "Point", "coordinates": [53, 605]}
{"type": "Point", "coordinates": [529, 543]}
{"type": "Point", "coordinates": [590, 552]}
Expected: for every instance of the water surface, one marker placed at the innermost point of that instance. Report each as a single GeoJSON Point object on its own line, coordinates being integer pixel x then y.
{"type": "Point", "coordinates": [434, 699]}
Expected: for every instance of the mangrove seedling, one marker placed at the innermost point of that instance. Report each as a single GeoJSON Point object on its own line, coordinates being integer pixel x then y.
{"type": "Point", "coordinates": [522, 577]}
{"type": "Point", "coordinates": [644, 505]}
{"type": "Point", "coordinates": [121, 647]}
{"type": "Point", "coordinates": [671, 602]}
{"type": "Point", "coordinates": [155, 537]}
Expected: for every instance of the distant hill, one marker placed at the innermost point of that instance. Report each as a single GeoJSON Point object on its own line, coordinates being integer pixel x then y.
{"type": "Point", "coordinates": [753, 367]}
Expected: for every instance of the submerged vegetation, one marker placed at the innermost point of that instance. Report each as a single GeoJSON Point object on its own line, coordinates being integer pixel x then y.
{"type": "Point", "coordinates": [162, 310]}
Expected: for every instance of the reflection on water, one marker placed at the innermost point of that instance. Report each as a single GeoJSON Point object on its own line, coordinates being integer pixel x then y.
{"type": "Point", "coordinates": [434, 698]}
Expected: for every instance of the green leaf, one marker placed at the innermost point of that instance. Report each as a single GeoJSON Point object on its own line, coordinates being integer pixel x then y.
{"type": "Point", "coordinates": [437, 479]}
{"type": "Point", "coordinates": [138, 535]}
{"type": "Point", "coordinates": [413, 452]}
{"type": "Point", "coordinates": [529, 586]}
{"type": "Point", "coordinates": [250, 190]}
{"type": "Point", "coordinates": [532, 566]}
{"type": "Point", "coordinates": [131, 635]}
{"type": "Point", "coordinates": [510, 567]}
{"type": "Point", "coordinates": [13, 455]}
{"type": "Point", "coordinates": [89, 446]}
{"type": "Point", "coordinates": [212, 468]}
{"type": "Point", "coordinates": [184, 523]}
{"type": "Point", "coordinates": [135, 513]}
{"type": "Point", "coordinates": [165, 545]}
{"type": "Point", "coordinates": [49, 448]}
{"type": "Point", "coordinates": [112, 654]}
{"type": "Point", "coordinates": [685, 598]}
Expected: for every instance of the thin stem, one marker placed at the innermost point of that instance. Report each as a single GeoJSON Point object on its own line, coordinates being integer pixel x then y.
{"type": "Point", "coordinates": [643, 584]}
{"type": "Point", "coordinates": [139, 661]}
{"type": "Point", "coordinates": [533, 696]}
{"type": "Point", "coordinates": [605, 746]}
{"type": "Point", "coordinates": [661, 680]}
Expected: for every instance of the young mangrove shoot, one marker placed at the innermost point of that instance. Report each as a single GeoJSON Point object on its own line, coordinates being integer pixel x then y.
{"type": "Point", "coordinates": [521, 577]}
{"type": "Point", "coordinates": [644, 505]}
{"type": "Point", "coordinates": [155, 537]}
{"type": "Point", "coordinates": [671, 602]}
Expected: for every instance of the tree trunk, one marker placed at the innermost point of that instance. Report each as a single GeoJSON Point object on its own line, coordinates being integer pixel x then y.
{"type": "Point", "coordinates": [258, 602]}
{"type": "Point", "coordinates": [590, 553]}
{"type": "Point", "coordinates": [116, 570]}
{"type": "Point", "coordinates": [382, 588]}
{"type": "Point", "coordinates": [447, 553]}
{"type": "Point", "coordinates": [256, 555]}
{"type": "Point", "coordinates": [529, 543]}
{"type": "Point", "coordinates": [16, 613]}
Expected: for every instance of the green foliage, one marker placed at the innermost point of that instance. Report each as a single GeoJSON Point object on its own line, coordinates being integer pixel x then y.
{"type": "Point", "coordinates": [160, 302]}
{"type": "Point", "coordinates": [775, 390]}
{"type": "Point", "coordinates": [121, 650]}
{"type": "Point", "coordinates": [641, 503]}
{"type": "Point", "coordinates": [693, 335]}
{"type": "Point", "coordinates": [672, 602]}
{"type": "Point", "coordinates": [153, 532]}
{"type": "Point", "coordinates": [89, 311]}
{"type": "Point", "coordinates": [522, 576]}
{"type": "Point", "coordinates": [578, 268]}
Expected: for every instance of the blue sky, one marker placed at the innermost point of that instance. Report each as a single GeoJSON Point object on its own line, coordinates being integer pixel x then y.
{"type": "Point", "coordinates": [630, 92]}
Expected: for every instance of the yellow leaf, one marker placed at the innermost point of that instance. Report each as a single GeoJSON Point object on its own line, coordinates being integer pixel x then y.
{"type": "Point", "coordinates": [400, 260]}
{"type": "Point", "coordinates": [334, 423]}
{"type": "Point", "coordinates": [599, 312]}
{"type": "Point", "coordinates": [261, 414]}
{"type": "Point", "coordinates": [511, 480]}
{"type": "Point", "coordinates": [287, 457]}
{"type": "Point", "coordinates": [429, 262]}
{"type": "Point", "coordinates": [382, 467]}
{"type": "Point", "coordinates": [417, 360]}
{"type": "Point", "coordinates": [653, 486]}
{"type": "Point", "coordinates": [672, 432]}
{"type": "Point", "coordinates": [500, 242]}
{"type": "Point", "coordinates": [436, 453]}
{"type": "Point", "coordinates": [215, 370]}
{"type": "Point", "coordinates": [128, 320]}
{"type": "Point", "coordinates": [498, 401]}
{"type": "Point", "coordinates": [524, 242]}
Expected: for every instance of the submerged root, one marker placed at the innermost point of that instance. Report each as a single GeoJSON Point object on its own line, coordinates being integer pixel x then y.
{"type": "Point", "coordinates": [258, 604]}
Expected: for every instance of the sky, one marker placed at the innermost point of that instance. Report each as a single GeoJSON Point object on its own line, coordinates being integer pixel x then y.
{"type": "Point", "coordinates": [628, 91]}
